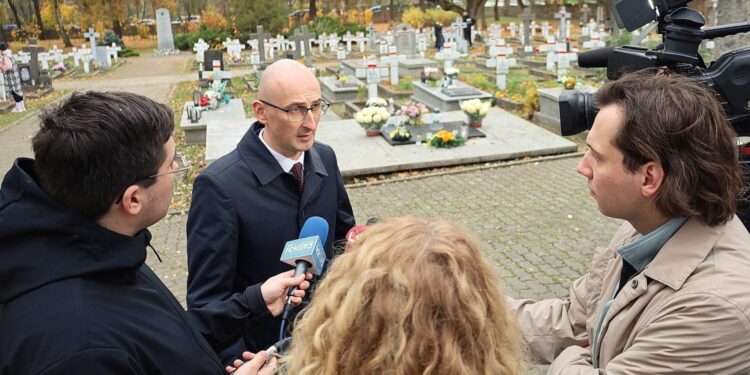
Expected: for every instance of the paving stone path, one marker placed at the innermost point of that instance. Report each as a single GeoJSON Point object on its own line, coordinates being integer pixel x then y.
{"type": "Point", "coordinates": [536, 221]}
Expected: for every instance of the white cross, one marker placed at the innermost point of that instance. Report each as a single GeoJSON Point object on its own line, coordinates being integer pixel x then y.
{"type": "Point", "coordinates": [44, 59]}
{"type": "Point", "coordinates": [545, 29]}
{"type": "Point", "coordinates": [422, 45]}
{"type": "Point", "coordinates": [113, 51]}
{"type": "Point", "coordinates": [563, 16]}
{"type": "Point", "coordinates": [393, 59]}
{"type": "Point", "coordinates": [200, 47]}
{"type": "Point", "coordinates": [349, 38]}
{"type": "Point", "coordinates": [501, 65]}
{"type": "Point", "coordinates": [374, 76]}
{"type": "Point", "coordinates": [448, 55]}
{"type": "Point", "coordinates": [91, 35]}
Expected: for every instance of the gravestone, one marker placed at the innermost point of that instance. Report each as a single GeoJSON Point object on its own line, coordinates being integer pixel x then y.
{"type": "Point", "coordinates": [261, 37]}
{"type": "Point", "coordinates": [103, 60]}
{"type": "Point", "coordinates": [585, 12]}
{"type": "Point", "coordinates": [462, 45]}
{"type": "Point", "coordinates": [563, 16]}
{"type": "Point", "coordinates": [92, 35]}
{"type": "Point", "coordinates": [33, 67]}
{"type": "Point", "coordinates": [301, 40]}
{"type": "Point", "coordinates": [200, 47]}
{"type": "Point", "coordinates": [165, 41]}
{"type": "Point", "coordinates": [337, 91]}
{"type": "Point", "coordinates": [405, 39]}
{"type": "Point", "coordinates": [195, 132]}
{"type": "Point", "coordinates": [436, 98]}
{"type": "Point", "coordinates": [526, 46]}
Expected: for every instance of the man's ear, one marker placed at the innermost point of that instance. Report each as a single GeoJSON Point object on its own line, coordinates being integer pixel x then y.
{"type": "Point", "coordinates": [132, 200]}
{"type": "Point", "coordinates": [260, 112]}
{"type": "Point", "coordinates": [653, 178]}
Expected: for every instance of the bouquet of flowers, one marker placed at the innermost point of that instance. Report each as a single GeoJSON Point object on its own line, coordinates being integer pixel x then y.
{"type": "Point", "coordinates": [475, 109]}
{"type": "Point", "coordinates": [372, 119]}
{"type": "Point", "coordinates": [569, 83]}
{"type": "Point", "coordinates": [445, 139]}
{"type": "Point", "coordinates": [376, 102]}
{"type": "Point", "coordinates": [451, 73]}
{"type": "Point", "coordinates": [400, 134]}
{"type": "Point", "coordinates": [413, 112]}
{"type": "Point", "coordinates": [430, 74]}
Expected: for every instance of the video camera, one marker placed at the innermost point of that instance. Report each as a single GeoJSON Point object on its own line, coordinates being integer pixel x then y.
{"type": "Point", "coordinates": [682, 34]}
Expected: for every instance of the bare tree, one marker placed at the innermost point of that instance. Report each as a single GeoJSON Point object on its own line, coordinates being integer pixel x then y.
{"type": "Point", "coordinates": [38, 13]}
{"type": "Point", "coordinates": [313, 9]}
{"type": "Point", "coordinates": [15, 13]}
{"type": "Point", "coordinates": [60, 26]}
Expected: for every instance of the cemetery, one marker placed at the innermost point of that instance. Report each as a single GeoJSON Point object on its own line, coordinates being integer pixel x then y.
{"type": "Point", "coordinates": [431, 113]}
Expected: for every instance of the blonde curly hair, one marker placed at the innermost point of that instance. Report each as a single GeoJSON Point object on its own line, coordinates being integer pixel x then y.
{"type": "Point", "coordinates": [412, 296]}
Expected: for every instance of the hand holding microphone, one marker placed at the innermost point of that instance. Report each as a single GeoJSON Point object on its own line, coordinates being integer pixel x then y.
{"type": "Point", "coordinates": [275, 289]}
{"type": "Point", "coordinates": [306, 254]}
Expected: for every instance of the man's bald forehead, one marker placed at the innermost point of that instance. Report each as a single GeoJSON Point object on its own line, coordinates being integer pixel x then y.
{"type": "Point", "coordinates": [280, 74]}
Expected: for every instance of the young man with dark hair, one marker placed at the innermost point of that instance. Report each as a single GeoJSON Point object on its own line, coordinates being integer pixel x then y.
{"type": "Point", "coordinates": [76, 295]}
{"type": "Point", "coordinates": [668, 294]}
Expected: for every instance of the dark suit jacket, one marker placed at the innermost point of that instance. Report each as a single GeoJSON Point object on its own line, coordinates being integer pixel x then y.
{"type": "Point", "coordinates": [243, 211]}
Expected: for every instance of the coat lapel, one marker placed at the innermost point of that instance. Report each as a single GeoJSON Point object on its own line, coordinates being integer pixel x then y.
{"type": "Point", "coordinates": [315, 172]}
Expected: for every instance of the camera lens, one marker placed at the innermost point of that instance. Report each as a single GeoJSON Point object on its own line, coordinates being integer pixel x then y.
{"type": "Point", "coordinates": [577, 112]}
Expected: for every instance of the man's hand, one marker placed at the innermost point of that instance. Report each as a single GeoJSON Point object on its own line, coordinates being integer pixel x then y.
{"type": "Point", "coordinates": [256, 366]}
{"type": "Point", "coordinates": [274, 290]}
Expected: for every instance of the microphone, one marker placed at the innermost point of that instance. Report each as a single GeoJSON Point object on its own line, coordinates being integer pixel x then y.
{"type": "Point", "coordinates": [306, 253]}
{"type": "Point", "coordinates": [353, 233]}
{"type": "Point", "coordinates": [596, 58]}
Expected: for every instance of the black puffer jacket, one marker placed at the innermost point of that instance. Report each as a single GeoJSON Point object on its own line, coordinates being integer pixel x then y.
{"type": "Point", "coordinates": [76, 298]}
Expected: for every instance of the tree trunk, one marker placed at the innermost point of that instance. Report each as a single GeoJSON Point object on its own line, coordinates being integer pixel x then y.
{"type": "Point", "coordinates": [15, 13]}
{"type": "Point", "coordinates": [38, 13]}
{"type": "Point", "coordinates": [117, 28]}
{"type": "Point", "coordinates": [63, 33]}
{"type": "Point", "coordinates": [496, 10]}
{"type": "Point", "coordinates": [732, 11]}
{"type": "Point", "coordinates": [393, 12]}
{"type": "Point", "coordinates": [313, 10]}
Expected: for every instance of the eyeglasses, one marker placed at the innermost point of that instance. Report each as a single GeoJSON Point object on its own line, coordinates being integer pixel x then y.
{"type": "Point", "coordinates": [298, 113]}
{"type": "Point", "coordinates": [180, 173]}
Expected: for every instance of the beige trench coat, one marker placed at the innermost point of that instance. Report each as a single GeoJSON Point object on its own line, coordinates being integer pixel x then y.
{"type": "Point", "coordinates": [688, 312]}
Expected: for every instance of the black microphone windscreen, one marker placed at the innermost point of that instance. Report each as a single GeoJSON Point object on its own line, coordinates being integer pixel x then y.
{"type": "Point", "coordinates": [596, 58]}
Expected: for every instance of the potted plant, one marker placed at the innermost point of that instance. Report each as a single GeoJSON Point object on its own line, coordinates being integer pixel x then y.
{"type": "Point", "coordinates": [413, 112]}
{"type": "Point", "coordinates": [445, 139]}
{"type": "Point", "coordinates": [475, 110]}
{"type": "Point", "coordinates": [372, 118]}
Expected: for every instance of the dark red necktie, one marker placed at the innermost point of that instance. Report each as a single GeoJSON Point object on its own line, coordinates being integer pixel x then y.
{"type": "Point", "coordinates": [296, 171]}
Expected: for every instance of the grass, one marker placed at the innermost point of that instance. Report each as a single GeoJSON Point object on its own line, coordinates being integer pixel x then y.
{"type": "Point", "coordinates": [7, 119]}
{"type": "Point", "coordinates": [196, 154]}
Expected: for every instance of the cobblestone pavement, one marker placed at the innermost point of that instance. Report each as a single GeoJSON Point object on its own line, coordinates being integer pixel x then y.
{"type": "Point", "coordinates": [536, 221]}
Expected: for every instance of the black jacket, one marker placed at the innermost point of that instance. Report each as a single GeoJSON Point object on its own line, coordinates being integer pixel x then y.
{"type": "Point", "coordinates": [76, 298]}
{"type": "Point", "coordinates": [243, 211]}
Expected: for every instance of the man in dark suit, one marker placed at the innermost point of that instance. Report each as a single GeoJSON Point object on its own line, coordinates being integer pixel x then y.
{"type": "Point", "coordinates": [468, 23]}
{"type": "Point", "coordinates": [247, 204]}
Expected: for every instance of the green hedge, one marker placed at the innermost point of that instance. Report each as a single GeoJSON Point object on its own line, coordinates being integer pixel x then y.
{"type": "Point", "coordinates": [185, 41]}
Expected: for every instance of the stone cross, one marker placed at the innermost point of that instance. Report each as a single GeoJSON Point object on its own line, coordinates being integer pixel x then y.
{"type": "Point", "coordinates": [349, 38]}
{"type": "Point", "coordinates": [370, 37]}
{"type": "Point", "coordinates": [513, 28]}
{"type": "Point", "coordinates": [563, 61]}
{"type": "Point", "coordinates": [76, 56]}
{"type": "Point", "coordinates": [382, 47]}
{"type": "Point", "coordinates": [86, 58]}
{"type": "Point", "coordinates": [302, 39]}
{"type": "Point", "coordinates": [392, 60]}
{"type": "Point", "coordinates": [462, 44]}
{"type": "Point", "coordinates": [333, 42]}
{"type": "Point", "coordinates": [92, 35]}
{"type": "Point", "coordinates": [545, 29]}
{"type": "Point", "coordinates": [261, 37]}
{"type": "Point", "coordinates": [422, 45]}
{"type": "Point", "coordinates": [57, 54]}
{"type": "Point", "coordinates": [501, 65]}
{"type": "Point", "coordinates": [585, 12]}
{"type": "Point", "coordinates": [599, 14]}
{"type": "Point", "coordinates": [563, 16]}
{"type": "Point", "coordinates": [34, 73]}
{"type": "Point", "coordinates": [448, 55]}
{"type": "Point", "coordinates": [374, 76]}
{"type": "Point", "coordinates": [526, 17]}
{"type": "Point", "coordinates": [200, 47]}
{"type": "Point", "coordinates": [113, 51]}
{"type": "Point", "coordinates": [44, 59]}
{"type": "Point", "coordinates": [361, 42]}
{"type": "Point", "coordinates": [254, 58]}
